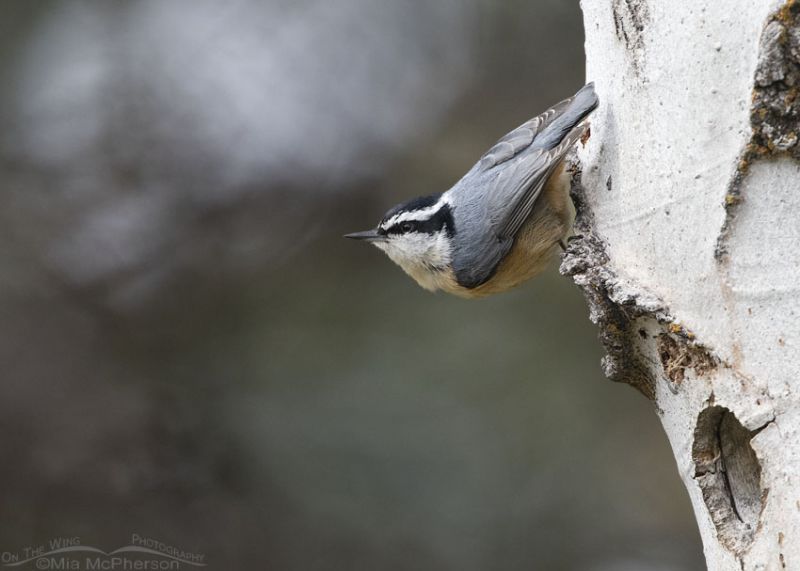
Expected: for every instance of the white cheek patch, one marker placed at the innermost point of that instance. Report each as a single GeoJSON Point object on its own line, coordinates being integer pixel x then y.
{"type": "Point", "coordinates": [424, 257]}
{"type": "Point", "coordinates": [418, 253]}
{"type": "Point", "coordinates": [409, 248]}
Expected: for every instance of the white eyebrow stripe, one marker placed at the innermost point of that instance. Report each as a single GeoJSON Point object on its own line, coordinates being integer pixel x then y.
{"type": "Point", "coordinates": [422, 214]}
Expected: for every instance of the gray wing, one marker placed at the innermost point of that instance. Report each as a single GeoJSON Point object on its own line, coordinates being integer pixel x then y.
{"type": "Point", "coordinates": [518, 186]}
{"type": "Point", "coordinates": [488, 234]}
{"type": "Point", "coordinates": [521, 138]}
{"type": "Point", "coordinates": [503, 187]}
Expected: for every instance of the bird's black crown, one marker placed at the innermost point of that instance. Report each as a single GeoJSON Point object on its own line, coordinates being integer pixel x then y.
{"type": "Point", "coordinates": [438, 220]}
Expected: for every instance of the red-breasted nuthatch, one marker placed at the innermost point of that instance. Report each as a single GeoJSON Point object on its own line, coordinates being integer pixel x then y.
{"type": "Point", "coordinates": [502, 222]}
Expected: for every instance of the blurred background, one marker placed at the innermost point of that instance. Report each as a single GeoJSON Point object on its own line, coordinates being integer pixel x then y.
{"type": "Point", "coordinates": [191, 352]}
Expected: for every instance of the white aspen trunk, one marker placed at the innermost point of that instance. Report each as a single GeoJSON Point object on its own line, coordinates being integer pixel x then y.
{"type": "Point", "coordinates": [688, 249]}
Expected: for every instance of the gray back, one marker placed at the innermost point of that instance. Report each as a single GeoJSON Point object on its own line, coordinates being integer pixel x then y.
{"type": "Point", "coordinates": [495, 198]}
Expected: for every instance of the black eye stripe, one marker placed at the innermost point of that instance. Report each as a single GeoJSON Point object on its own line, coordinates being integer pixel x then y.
{"type": "Point", "coordinates": [441, 219]}
{"type": "Point", "coordinates": [415, 204]}
{"type": "Point", "coordinates": [403, 227]}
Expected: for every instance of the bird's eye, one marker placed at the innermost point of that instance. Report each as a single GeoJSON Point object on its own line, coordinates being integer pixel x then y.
{"type": "Point", "coordinates": [406, 227]}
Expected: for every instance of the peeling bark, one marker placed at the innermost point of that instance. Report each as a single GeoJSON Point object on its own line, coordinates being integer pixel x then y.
{"type": "Point", "coordinates": [687, 248]}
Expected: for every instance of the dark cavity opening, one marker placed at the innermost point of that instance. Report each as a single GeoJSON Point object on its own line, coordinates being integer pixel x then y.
{"type": "Point", "coordinates": [729, 474]}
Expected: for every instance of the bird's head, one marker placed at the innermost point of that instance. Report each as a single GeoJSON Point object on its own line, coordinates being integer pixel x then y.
{"type": "Point", "coordinates": [417, 235]}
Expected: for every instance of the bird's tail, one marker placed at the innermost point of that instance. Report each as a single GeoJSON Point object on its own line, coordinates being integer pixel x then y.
{"type": "Point", "coordinates": [575, 110]}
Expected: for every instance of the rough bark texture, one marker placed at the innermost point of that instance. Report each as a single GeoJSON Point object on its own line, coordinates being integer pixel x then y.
{"type": "Point", "coordinates": [688, 249]}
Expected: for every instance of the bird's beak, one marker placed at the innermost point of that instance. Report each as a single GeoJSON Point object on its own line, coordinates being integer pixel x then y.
{"type": "Point", "coordinates": [368, 235]}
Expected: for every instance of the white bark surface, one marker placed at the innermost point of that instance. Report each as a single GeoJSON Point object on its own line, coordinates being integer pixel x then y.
{"type": "Point", "coordinates": [689, 249]}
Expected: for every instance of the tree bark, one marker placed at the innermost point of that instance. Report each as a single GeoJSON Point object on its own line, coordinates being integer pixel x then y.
{"type": "Point", "coordinates": [688, 249]}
